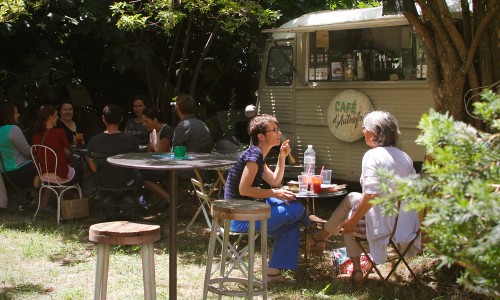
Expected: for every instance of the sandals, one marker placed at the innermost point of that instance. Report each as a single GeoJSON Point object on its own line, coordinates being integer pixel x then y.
{"type": "Point", "coordinates": [278, 278]}
{"type": "Point", "coordinates": [315, 247]}
{"type": "Point", "coordinates": [357, 277]}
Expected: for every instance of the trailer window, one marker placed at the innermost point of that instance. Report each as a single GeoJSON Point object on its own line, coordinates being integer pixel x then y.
{"type": "Point", "coordinates": [279, 70]}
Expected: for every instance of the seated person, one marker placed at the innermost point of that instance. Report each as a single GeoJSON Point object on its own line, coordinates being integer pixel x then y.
{"type": "Point", "coordinates": [108, 143]}
{"type": "Point", "coordinates": [67, 123]}
{"type": "Point", "coordinates": [191, 132]}
{"type": "Point", "coordinates": [243, 182]}
{"type": "Point", "coordinates": [160, 140]}
{"type": "Point", "coordinates": [135, 125]}
{"type": "Point", "coordinates": [15, 150]}
{"type": "Point", "coordinates": [46, 134]}
{"type": "Point", "coordinates": [381, 132]}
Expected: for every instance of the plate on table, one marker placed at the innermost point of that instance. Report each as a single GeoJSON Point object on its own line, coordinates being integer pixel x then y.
{"type": "Point", "coordinates": [331, 188]}
{"type": "Point", "coordinates": [170, 156]}
{"type": "Point", "coordinates": [293, 183]}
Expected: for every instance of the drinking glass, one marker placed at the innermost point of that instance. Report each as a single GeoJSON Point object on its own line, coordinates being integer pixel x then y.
{"type": "Point", "coordinates": [303, 182]}
{"type": "Point", "coordinates": [179, 151]}
{"type": "Point", "coordinates": [327, 176]}
{"type": "Point", "coordinates": [316, 183]}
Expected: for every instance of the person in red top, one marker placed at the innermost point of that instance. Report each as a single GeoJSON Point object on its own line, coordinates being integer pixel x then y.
{"type": "Point", "coordinates": [55, 138]}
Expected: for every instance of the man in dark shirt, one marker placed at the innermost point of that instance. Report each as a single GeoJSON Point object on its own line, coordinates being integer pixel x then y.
{"type": "Point", "coordinates": [191, 132]}
{"type": "Point", "coordinates": [108, 143]}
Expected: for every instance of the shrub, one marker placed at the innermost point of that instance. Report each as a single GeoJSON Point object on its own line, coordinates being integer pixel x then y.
{"type": "Point", "coordinates": [460, 188]}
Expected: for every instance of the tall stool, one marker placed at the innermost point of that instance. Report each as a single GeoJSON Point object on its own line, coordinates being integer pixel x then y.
{"type": "Point", "coordinates": [242, 210]}
{"type": "Point", "coordinates": [124, 233]}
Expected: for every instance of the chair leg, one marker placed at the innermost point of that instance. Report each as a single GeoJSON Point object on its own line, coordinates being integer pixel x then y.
{"type": "Point", "coordinates": [251, 245]}
{"type": "Point", "coordinates": [101, 276]}
{"type": "Point", "coordinates": [39, 202]}
{"type": "Point", "coordinates": [263, 250]}
{"type": "Point", "coordinates": [373, 266]}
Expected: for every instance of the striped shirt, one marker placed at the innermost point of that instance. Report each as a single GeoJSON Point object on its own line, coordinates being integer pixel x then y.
{"type": "Point", "coordinates": [253, 154]}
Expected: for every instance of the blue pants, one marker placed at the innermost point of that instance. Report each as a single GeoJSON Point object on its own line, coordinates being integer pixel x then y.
{"type": "Point", "coordinates": [283, 228]}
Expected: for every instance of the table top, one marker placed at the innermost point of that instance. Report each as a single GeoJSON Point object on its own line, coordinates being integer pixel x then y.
{"type": "Point", "coordinates": [167, 161]}
{"type": "Point", "coordinates": [310, 194]}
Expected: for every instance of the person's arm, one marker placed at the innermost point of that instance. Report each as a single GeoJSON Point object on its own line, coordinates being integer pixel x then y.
{"type": "Point", "coordinates": [165, 143]}
{"type": "Point", "coordinates": [246, 188]}
{"type": "Point", "coordinates": [275, 178]}
{"type": "Point", "coordinates": [19, 141]}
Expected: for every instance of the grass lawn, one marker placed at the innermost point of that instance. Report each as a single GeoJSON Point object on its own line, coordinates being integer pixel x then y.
{"type": "Point", "coordinates": [43, 260]}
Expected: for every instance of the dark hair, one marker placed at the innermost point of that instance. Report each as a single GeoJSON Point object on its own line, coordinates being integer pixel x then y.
{"type": "Point", "coordinates": [152, 114]}
{"type": "Point", "coordinates": [44, 112]}
{"type": "Point", "coordinates": [7, 111]}
{"type": "Point", "coordinates": [259, 125]}
{"type": "Point", "coordinates": [144, 99]}
{"type": "Point", "coordinates": [384, 126]}
{"type": "Point", "coordinates": [112, 114]}
{"type": "Point", "coordinates": [185, 104]}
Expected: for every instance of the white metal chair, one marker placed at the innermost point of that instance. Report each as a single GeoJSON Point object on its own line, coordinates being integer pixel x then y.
{"type": "Point", "coordinates": [49, 180]}
{"type": "Point", "coordinates": [235, 249]}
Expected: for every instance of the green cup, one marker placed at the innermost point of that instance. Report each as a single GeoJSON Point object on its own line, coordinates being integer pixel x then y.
{"type": "Point", "coordinates": [179, 151]}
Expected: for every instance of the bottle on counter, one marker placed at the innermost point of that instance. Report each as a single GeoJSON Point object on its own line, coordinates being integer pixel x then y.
{"type": "Point", "coordinates": [310, 160]}
{"type": "Point", "coordinates": [337, 69]}
{"type": "Point", "coordinates": [349, 68]}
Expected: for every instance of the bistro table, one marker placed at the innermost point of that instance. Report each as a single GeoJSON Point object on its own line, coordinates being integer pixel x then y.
{"type": "Point", "coordinates": [309, 198]}
{"type": "Point", "coordinates": [166, 161]}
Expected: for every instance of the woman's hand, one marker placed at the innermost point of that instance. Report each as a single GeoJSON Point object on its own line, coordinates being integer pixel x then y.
{"type": "Point", "coordinates": [284, 195]}
{"type": "Point", "coordinates": [347, 226]}
{"type": "Point", "coordinates": [285, 148]}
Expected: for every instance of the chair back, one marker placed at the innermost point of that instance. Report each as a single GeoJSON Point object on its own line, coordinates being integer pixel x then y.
{"type": "Point", "coordinates": [42, 157]}
{"type": "Point", "coordinates": [205, 200]}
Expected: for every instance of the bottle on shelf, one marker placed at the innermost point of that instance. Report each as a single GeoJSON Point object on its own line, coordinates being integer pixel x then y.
{"type": "Point", "coordinates": [321, 67]}
{"type": "Point", "coordinates": [310, 160]}
{"type": "Point", "coordinates": [360, 67]}
{"type": "Point", "coordinates": [421, 64]}
{"type": "Point", "coordinates": [312, 68]}
{"type": "Point", "coordinates": [349, 68]}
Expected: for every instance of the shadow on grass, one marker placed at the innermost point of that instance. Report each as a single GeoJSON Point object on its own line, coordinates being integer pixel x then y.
{"type": "Point", "coordinates": [17, 291]}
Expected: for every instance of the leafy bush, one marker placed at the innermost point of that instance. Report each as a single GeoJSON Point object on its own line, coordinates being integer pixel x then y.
{"type": "Point", "coordinates": [460, 189]}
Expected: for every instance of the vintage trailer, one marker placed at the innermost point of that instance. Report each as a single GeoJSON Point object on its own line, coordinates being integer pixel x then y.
{"type": "Point", "coordinates": [323, 71]}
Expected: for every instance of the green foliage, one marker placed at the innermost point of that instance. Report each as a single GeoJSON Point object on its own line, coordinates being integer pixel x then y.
{"type": "Point", "coordinates": [349, 4]}
{"type": "Point", "coordinates": [460, 189]}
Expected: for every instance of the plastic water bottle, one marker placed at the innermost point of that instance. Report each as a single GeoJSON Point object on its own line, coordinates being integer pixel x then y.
{"type": "Point", "coordinates": [310, 160]}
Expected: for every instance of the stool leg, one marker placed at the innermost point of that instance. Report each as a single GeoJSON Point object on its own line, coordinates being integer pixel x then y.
{"type": "Point", "coordinates": [148, 271]}
{"type": "Point", "coordinates": [211, 250]}
{"type": "Point", "coordinates": [263, 249]}
{"type": "Point", "coordinates": [223, 260]}
{"type": "Point", "coordinates": [101, 275]}
{"type": "Point", "coordinates": [251, 247]}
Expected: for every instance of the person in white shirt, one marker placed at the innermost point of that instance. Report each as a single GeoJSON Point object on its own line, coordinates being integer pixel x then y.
{"type": "Point", "coordinates": [381, 132]}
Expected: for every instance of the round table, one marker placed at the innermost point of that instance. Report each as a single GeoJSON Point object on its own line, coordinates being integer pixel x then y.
{"type": "Point", "coordinates": [167, 161]}
{"type": "Point", "coordinates": [309, 198]}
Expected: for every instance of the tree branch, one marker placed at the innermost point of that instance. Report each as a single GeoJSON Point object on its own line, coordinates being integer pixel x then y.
{"type": "Point", "coordinates": [453, 32]}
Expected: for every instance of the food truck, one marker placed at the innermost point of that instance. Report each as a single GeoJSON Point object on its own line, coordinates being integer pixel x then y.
{"type": "Point", "coordinates": [323, 71]}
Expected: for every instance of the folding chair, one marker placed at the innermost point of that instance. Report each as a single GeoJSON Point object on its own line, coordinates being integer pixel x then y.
{"type": "Point", "coordinates": [400, 253]}
{"type": "Point", "coordinates": [49, 180]}
{"type": "Point", "coordinates": [236, 252]}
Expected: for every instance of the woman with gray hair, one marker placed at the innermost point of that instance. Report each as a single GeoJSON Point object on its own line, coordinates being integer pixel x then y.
{"type": "Point", "coordinates": [381, 132]}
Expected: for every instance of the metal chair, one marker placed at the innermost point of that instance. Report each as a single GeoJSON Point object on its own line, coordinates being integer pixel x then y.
{"type": "Point", "coordinates": [49, 180]}
{"type": "Point", "coordinates": [400, 253]}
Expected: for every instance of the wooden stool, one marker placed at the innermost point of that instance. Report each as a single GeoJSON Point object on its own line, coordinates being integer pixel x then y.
{"type": "Point", "coordinates": [242, 210]}
{"type": "Point", "coordinates": [124, 233]}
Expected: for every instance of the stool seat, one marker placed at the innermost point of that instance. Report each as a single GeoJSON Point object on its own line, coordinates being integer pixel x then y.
{"type": "Point", "coordinates": [247, 285]}
{"type": "Point", "coordinates": [124, 233]}
{"type": "Point", "coordinates": [241, 210]}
